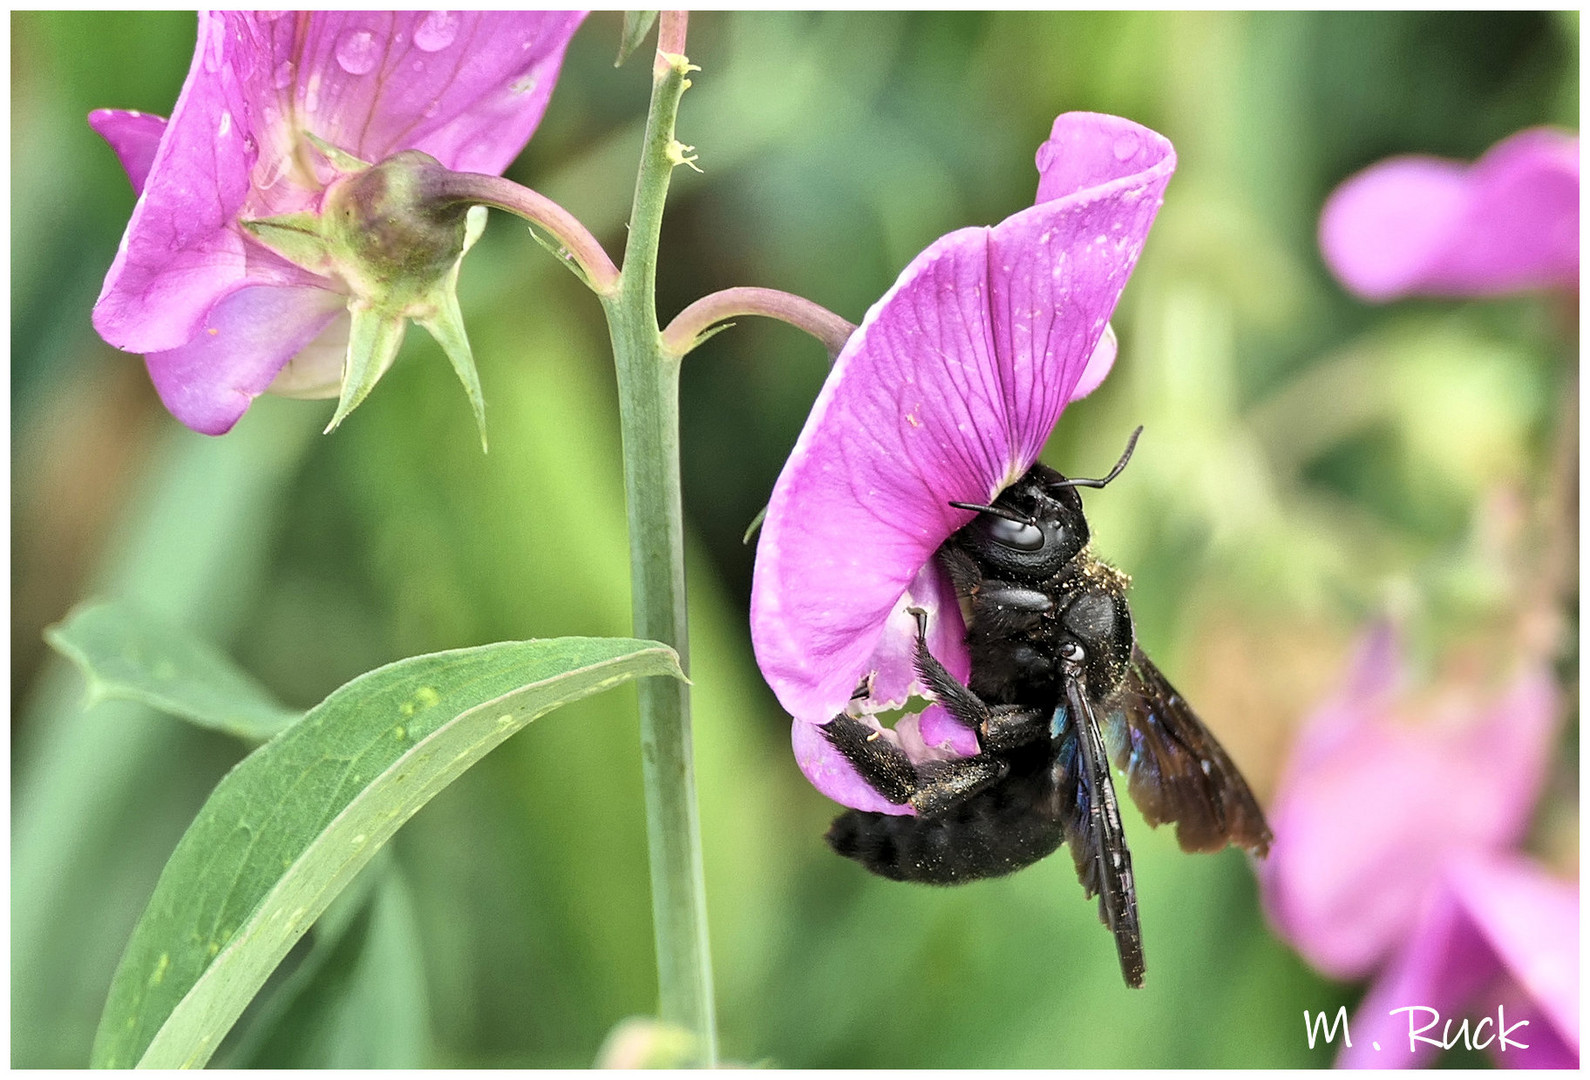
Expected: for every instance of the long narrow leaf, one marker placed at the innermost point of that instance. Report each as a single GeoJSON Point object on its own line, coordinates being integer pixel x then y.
{"type": "Point", "coordinates": [287, 829]}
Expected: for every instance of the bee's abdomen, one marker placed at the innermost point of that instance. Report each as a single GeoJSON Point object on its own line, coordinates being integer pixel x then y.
{"type": "Point", "coordinates": [992, 834]}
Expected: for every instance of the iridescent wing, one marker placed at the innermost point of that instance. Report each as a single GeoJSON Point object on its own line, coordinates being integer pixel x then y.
{"type": "Point", "coordinates": [1091, 821]}
{"type": "Point", "coordinates": [1176, 770]}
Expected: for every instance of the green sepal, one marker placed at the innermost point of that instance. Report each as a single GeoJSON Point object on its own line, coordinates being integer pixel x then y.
{"type": "Point", "coordinates": [446, 324]}
{"type": "Point", "coordinates": [637, 24]}
{"type": "Point", "coordinates": [373, 344]}
{"type": "Point", "coordinates": [298, 238]}
{"type": "Point", "coordinates": [339, 158]}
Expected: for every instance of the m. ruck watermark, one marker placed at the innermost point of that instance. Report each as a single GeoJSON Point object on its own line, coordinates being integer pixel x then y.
{"type": "Point", "coordinates": [1471, 1035]}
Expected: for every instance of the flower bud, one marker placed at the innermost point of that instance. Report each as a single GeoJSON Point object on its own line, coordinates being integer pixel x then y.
{"type": "Point", "coordinates": [394, 241]}
{"type": "Point", "coordinates": [391, 239]}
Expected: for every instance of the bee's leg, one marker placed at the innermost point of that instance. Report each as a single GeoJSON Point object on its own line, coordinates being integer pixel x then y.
{"type": "Point", "coordinates": [881, 763]}
{"type": "Point", "coordinates": [952, 782]}
{"type": "Point", "coordinates": [885, 767]}
{"type": "Point", "coordinates": [962, 570]}
{"type": "Point", "coordinates": [1000, 727]}
{"type": "Point", "coordinates": [1009, 726]}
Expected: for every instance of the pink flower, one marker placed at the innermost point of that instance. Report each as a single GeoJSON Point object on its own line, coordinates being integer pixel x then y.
{"type": "Point", "coordinates": [219, 317]}
{"type": "Point", "coordinates": [947, 391]}
{"type": "Point", "coordinates": [1425, 226]}
{"type": "Point", "coordinates": [1394, 854]}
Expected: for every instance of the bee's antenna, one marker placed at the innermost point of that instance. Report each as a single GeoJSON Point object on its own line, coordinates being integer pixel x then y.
{"type": "Point", "coordinates": [997, 511]}
{"type": "Point", "coordinates": [1074, 482]}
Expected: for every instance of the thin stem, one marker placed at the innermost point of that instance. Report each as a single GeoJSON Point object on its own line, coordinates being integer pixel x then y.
{"type": "Point", "coordinates": [671, 26]}
{"type": "Point", "coordinates": [537, 209]}
{"type": "Point", "coordinates": [690, 327]}
{"type": "Point", "coordinates": [648, 392]}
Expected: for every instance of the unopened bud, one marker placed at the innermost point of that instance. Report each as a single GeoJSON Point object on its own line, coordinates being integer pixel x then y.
{"type": "Point", "coordinates": [392, 238]}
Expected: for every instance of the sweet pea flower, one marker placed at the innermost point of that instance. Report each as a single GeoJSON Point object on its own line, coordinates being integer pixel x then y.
{"type": "Point", "coordinates": [1426, 226]}
{"type": "Point", "coordinates": [276, 107]}
{"type": "Point", "coordinates": [1395, 854]}
{"type": "Point", "coordinates": [946, 392]}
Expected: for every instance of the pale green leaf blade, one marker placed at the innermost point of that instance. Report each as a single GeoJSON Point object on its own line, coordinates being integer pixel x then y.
{"type": "Point", "coordinates": [359, 998]}
{"type": "Point", "coordinates": [135, 656]}
{"type": "Point", "coordinates": [288, 828]}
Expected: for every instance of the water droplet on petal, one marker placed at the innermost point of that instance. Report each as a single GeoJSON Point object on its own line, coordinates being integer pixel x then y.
{"type": "Point", "coordinates": [356, 52]}
{"type": "Point", "coordinates": [524, 85]}
{"type": "Point", "coordinates": [1126, 145]}
{"type": "Point", "coordinates": [436, 31]}
{"type": "Point", "coordinates": [283, 75]}
{"type": "Point", "coordinates": [1045, 156]}
{"type": "Point", "coordinates": [226, 124]}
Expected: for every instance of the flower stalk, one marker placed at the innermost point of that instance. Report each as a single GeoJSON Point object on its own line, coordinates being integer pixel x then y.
{"type": "Point", "coordinates": [648, 390]}
{"type": "Point", "coordinates": [582, 249]}
{"type": "Point", "coordinates": [700, 320]}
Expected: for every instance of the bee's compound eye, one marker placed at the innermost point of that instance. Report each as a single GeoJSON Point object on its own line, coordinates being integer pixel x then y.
{"type": "Point", "coordinates": [1015, 534]}
{"type": "Point", "coordinates": [1071, 651]}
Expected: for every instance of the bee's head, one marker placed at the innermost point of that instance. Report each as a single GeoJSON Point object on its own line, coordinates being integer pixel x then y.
{"type": "Point", "coordinates": [1036, 526]}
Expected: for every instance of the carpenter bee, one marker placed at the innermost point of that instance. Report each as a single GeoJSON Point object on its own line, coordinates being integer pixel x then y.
{"type": "Point", "coordinates": [1057, 688]}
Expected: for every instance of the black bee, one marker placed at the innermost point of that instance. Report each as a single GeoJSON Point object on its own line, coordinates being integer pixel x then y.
{"type": "Point", "coordinates": [1056, 677]}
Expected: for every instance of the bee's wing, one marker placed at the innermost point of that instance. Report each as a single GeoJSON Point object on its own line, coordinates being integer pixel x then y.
{"type": "Point", "coordinates": [1176, 770]}
{"type": "Point", "coordinates": [1091, 821]}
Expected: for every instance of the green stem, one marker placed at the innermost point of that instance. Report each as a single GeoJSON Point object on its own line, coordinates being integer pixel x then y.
{"type": "Point", "coordinates": [648, 391]}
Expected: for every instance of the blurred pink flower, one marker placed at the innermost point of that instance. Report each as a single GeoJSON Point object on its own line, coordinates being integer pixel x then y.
{"type": "Point", "coordinates": [1394, 854]}
{"type": "Point", "coordinates": [1427, 226]}
{"type": "Point", "coordinates": [219, 317]}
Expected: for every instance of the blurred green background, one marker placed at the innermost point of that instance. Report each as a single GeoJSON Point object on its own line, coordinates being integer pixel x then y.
{"type": "Point", "coordinates": [1309, 463]}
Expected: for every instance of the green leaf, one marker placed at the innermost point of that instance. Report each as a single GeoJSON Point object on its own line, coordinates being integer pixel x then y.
{"type": "Point", "coordinates": [288, 828]}
{"type": "Point", "coordinates": [636, 26]}
{"type": "Point", "coordinates": [129, 654]}
{"type": "Point", "coordinates": [358, 1000]}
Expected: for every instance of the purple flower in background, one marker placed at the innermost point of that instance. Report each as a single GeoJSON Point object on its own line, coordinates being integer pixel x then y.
{"type": "Point", "coordinates": [221, 318]}
{"type": "Point", "coordinates": [947, 391]}
{"type": "Point", "coordinates": [1394, 853]}
{"type": "Point", "coordinates": [1425, 226]}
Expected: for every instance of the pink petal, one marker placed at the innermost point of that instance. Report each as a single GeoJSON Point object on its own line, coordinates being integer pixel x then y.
{"type": "Point", "coordinates": [1371, 808]}
{"type": "Point", "coordinates": [1426, 226]}
{"type": "Point", "coordinates": [135, 136]}
{"type": "Point", "coordinates": [1440, 969]}
{"type": "Point", "coordinates": [1531, 920]}
{"type": "Point", "coordinates": [832, 775]}
{"type": "Point", "coordinates": [1099, 365]}
{"type": "Point", "coordinates": [947, 391]}
{"type": "Point", "coordinates": [180, 254]}
{"type": "Point", "coordinates": [249, 336]}
{"type": "Point", "coordinates": [1498, 938]}
{"type": "Point", "coordinates": [466, 87]}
